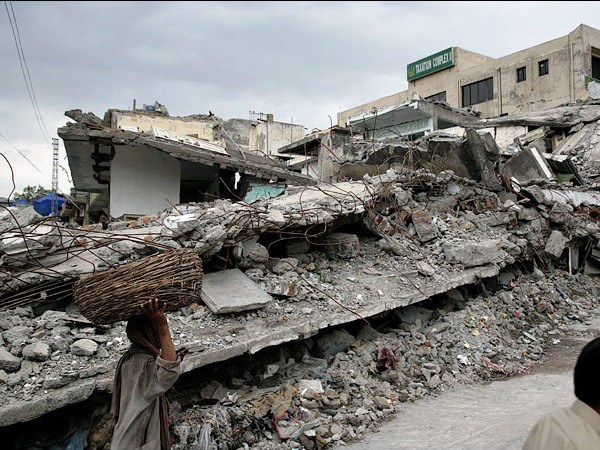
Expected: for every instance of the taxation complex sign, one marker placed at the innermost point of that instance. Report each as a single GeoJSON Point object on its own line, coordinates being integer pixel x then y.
{"type": "Point", "coordinates": [431, 64]}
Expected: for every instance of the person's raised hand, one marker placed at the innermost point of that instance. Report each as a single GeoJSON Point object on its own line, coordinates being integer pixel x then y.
{"type": "Point", "coordinates": [154, 309]}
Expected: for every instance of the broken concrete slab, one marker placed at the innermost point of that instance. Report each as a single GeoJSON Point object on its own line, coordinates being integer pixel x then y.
{"type": "Point", "coordinates": [551, 196]}
{"type": "Point", "coordinates": [38, 351]}
{"type": "Point", "coordinates": [471, 254]}
{"type": "Point", "coordinates": [23, 411]}
{"type": "Point", "coordinates": [14, 216]}
{"type": "Point", "coordinates": [556, 243]}
{"type": "Point", "coordinates": [528, 165]}
{"type": "Point", "coordinates": [259, 334]}
{"type": "Point", "coordinates": [469, 157]}
{"type": "Point", "coordinates": [424, 226]}
{"type": "Point", "coordinates": [232, 291]}
{"type": "Point", "coordinates": [8, 361]}
{"type": "Point", "coordinates": [531, 136]}
{"type": "Point", "coordinates": [282, 287]}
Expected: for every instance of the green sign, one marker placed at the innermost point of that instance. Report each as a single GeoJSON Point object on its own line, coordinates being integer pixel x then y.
{"type": "Point", "coordinates": [431, 64]}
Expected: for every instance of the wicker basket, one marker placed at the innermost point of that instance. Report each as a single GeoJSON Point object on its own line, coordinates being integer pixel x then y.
{"type": "Point", "coordinates": [174, 277]}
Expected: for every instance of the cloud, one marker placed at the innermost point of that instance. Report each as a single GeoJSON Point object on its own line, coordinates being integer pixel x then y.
{"type": "Point", "coordinates": [301, 61]}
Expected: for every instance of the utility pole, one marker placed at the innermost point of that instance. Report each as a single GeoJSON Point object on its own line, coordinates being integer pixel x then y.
{"type": "Point", "coordinates": [54, 176]}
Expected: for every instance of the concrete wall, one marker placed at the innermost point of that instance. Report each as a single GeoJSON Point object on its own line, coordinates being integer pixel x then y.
{"type": "Point", "coordinates": [239, 130]}
{"type": "Point", "coordinates": [264, 138]}
{"type": "Point", "coordinates": [444, 80]}
{"type": "Point", "coordinates": [569, 63]}
{"type": "Point", "coordinates": [331, 156]}
{"type": "Point", "coordinates": [536, 92]}
{"type": "Point", "coordinates": [583, 59]}
{"type": "Point", "coordinates": [311, 169]}
{"type": "Point", "coordinates": [504, 136]}
{"type": "Point", "coordinates": [447, 80]}
{"type": "Point", "coordinates": [267, 137]}
{"type": "Point", "coordinates": [144, 123]}
{"type": "Point", "coordinates": [143, 181]}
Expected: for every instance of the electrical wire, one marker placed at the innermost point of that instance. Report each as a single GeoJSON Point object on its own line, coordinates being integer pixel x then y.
{"type": "Point", "coordinates": [21, 153]}
{"type": "Point", "coordinates": [59, 191]}
{"type": "Point", "coordinates": [25, 70]}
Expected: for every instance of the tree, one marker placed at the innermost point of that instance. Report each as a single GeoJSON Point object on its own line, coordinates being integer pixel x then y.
{"type": "Point", "coordinates": [30, 193]}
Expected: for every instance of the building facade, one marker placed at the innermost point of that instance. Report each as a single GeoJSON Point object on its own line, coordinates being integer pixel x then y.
{"type": "Point", "coordinates": [263, 137]}
{"type": "Point", "coordinates": [144, 161]}
{"type": "Point", "coordinates": [541, 77]}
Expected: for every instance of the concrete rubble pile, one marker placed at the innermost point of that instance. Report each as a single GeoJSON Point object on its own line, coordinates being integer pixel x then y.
{"type": "Point", "coordinates": [341, 385]}
{"type": "Point", "coordinates": [499, 267]}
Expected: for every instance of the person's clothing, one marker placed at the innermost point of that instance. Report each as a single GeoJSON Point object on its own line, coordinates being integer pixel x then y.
{"type": "Point", "coordinates": [573, 428]}
{"type": "Point", "coordinates": [139, 405]}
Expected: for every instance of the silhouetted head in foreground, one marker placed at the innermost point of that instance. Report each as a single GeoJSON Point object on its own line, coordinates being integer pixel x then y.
{"type": "Point", "coordinates": [587, 375]}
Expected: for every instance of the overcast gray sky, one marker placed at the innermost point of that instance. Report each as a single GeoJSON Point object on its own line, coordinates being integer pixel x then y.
{"type": "Point", "coordinates": [301, 61]}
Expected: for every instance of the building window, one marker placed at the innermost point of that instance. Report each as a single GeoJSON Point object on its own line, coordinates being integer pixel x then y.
{"type": "Point", "coordinates": [440, 96]}
{"type": "Point", "coordinates": [521, 74]}
{"type": "Point", "coordinates": [478, 92]}
{"type": "Point", "coordinates": [595, 67]}
{"type": "Point", "coordinates": [543, 65]}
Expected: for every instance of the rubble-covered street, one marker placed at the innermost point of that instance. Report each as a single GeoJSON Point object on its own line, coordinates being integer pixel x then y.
{"type": "Point", "coordinates": [325, 307]}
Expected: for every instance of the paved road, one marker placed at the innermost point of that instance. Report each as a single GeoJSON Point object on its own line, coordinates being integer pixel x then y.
{"type": "Point", "coordinates": [496, 416]}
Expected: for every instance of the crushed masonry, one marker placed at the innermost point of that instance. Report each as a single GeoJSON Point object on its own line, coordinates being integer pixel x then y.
{"type": "Point", "coordinates": [451, 264]}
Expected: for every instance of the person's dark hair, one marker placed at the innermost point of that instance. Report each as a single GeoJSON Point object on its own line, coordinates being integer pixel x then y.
{"type": "Point", "coordinates": [587, 374]}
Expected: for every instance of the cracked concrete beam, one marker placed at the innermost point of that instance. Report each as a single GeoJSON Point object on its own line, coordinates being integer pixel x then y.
{"type": "Point", "coordinates": [261, 335]}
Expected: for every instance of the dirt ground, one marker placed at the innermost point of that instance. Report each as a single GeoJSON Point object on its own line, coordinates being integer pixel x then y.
{"type": "Point", "coordinates": [496, 416]}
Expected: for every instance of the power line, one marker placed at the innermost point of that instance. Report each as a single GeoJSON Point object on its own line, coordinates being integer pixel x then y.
{"type": "Point", "coordinates": [25, 70]}
{"type": "Point", "coordinates": [36, 168]}
{"type": "Point", "coordinates": [21, 153]}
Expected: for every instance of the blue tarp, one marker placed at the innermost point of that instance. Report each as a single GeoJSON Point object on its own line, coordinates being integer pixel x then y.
{"type": "Point", "coordinates": [43, 205]}
{"type": "Point", "coordinates": [21, 201]}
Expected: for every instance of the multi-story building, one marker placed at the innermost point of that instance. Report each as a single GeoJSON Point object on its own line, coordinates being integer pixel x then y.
{"type": "Point", "coordinates": [541, 77]}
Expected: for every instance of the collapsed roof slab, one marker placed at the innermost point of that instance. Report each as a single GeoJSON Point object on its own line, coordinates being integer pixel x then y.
{"type": "Point", "coordinates": [81, 143]}
{"type": "Point", "coordinates": [574, 198]}
{"type": "Point", "coordinates": [309, 145]}
{"type": "Point", "coordinates": [76, 252]}
{"type": "Point", "coordinates": [559, 117]}
{"type": "Point", "coordinates": [586, 142]}
{"type": "Point", "coordinates": [470, 157]}
{"type": "Point", "coordinates": [380, 292]}
{"type": "Point", "coordinates": [528, 165]}
{"type": "Point", "coordinates": [231, 290]}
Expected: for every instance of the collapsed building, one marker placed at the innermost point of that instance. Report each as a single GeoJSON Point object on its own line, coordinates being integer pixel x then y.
{"type": "Point", "coordinates": [139, 162]}
{"type": "Point", "coordinates": [392, 223]}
